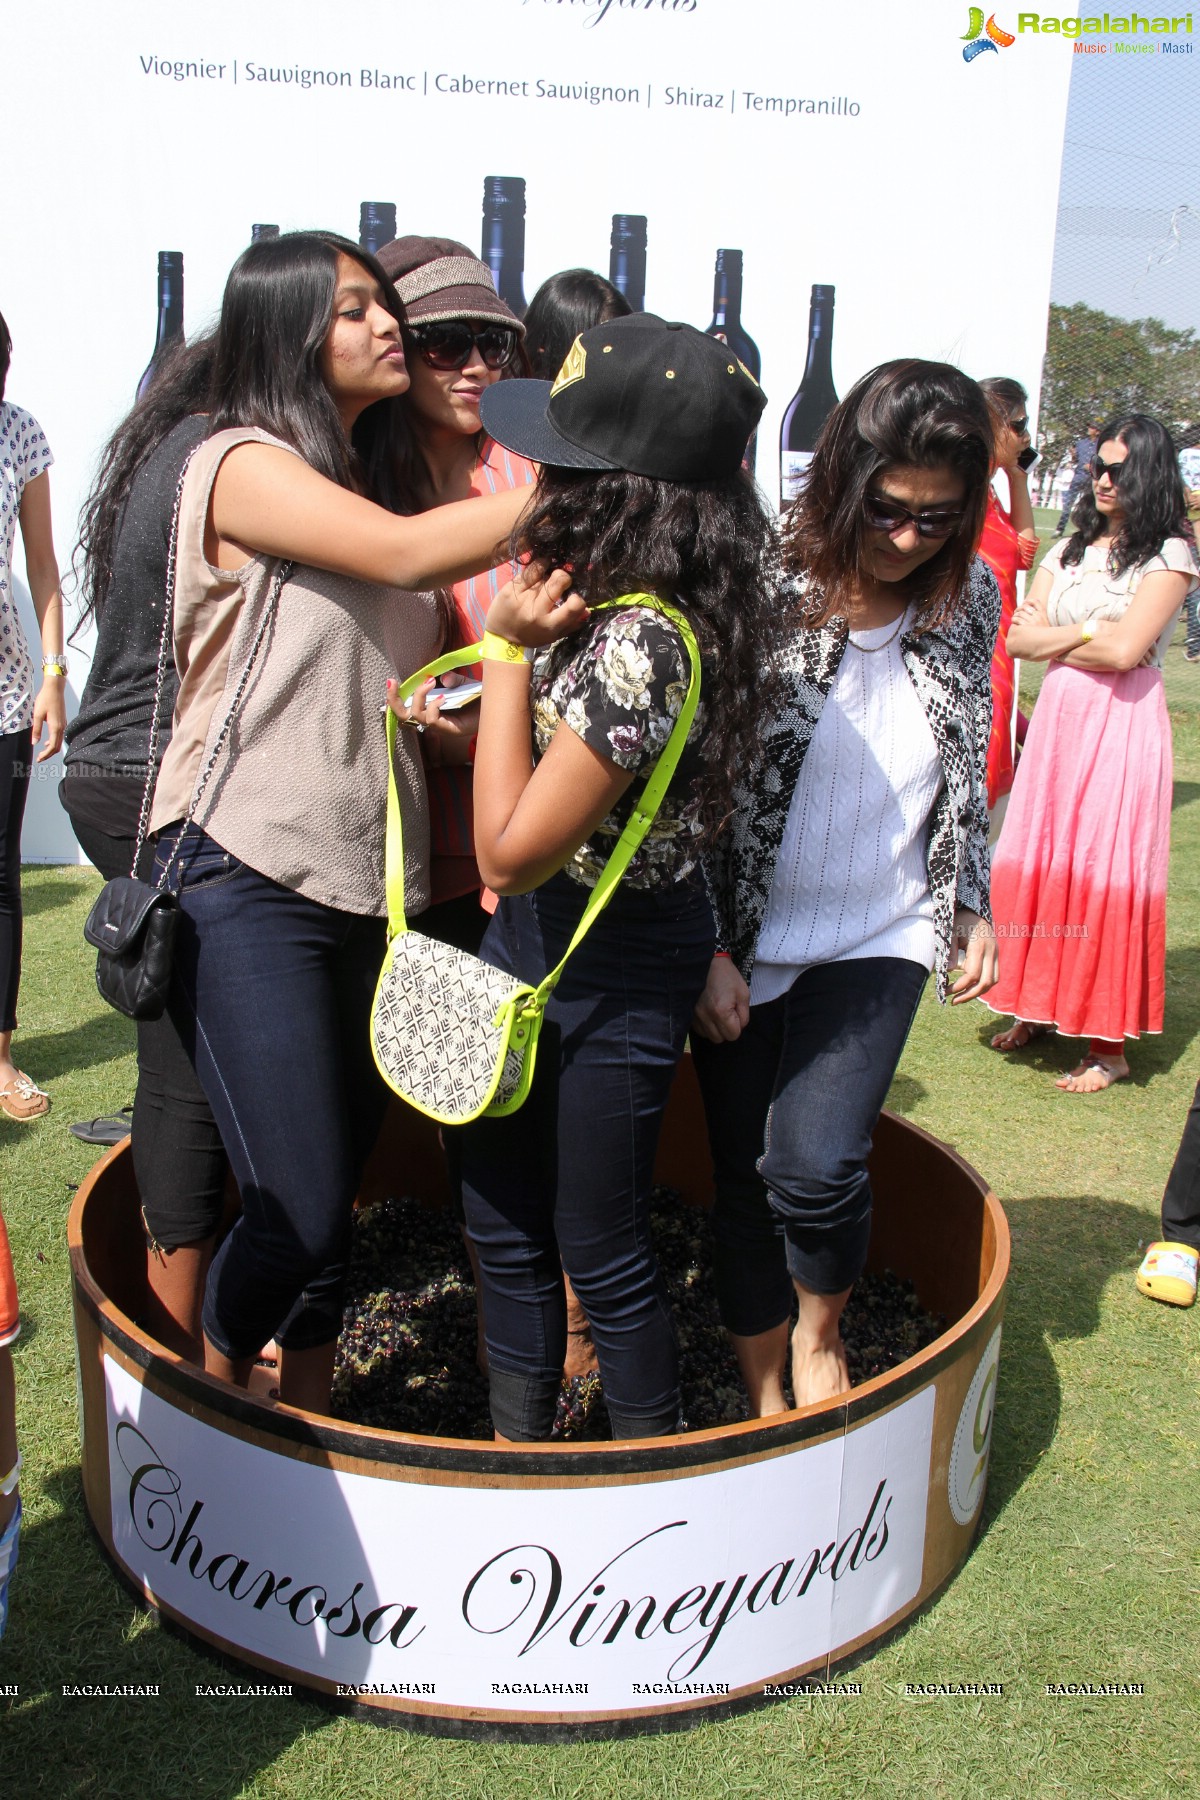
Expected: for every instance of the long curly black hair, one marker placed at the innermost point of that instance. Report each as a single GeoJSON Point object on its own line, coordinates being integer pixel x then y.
{"type": "Point", "coordinates": [1151, 493]}
{"type": "Point", "coordinates": [707, 546]}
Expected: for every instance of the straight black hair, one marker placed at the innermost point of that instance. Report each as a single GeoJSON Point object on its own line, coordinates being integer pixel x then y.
{"type": "Point", "coordinates": [1003, 393]}
{"type": "Point", "coordinates": [412, 469]}
{"type": "Point", "coordinates": [5, 353]}
{"type": "Point", "coordinates": [922, 415]}
{"type": "Point", "coordinates": [275, 317]}
{"type": "Point", "coordinates": [567, 303]}
{"type": "Point", "coordinates": [1151, 492]}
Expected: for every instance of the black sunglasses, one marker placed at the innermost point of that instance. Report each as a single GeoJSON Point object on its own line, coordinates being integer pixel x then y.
{"type": "Point", "coordinates": [887, 515]}
{"type": "Point", "coordinates": [1111, 469]}
{"type": "Point", "coordinates": [1020, 426]}
{"type": "Point", "coordinates": [452, 344]}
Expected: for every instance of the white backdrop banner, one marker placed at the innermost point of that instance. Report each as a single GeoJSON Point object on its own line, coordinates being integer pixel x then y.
{"type": "Point", "coordinates": [857, 148]}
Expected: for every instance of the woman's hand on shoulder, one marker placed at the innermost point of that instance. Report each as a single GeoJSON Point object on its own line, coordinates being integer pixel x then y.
{"type": "Point", "coordinates": [723, 1009]}
{"type": "Point", "coordinates": [536, 608]}
{"type": "Point", "coordinates": [979, 961]}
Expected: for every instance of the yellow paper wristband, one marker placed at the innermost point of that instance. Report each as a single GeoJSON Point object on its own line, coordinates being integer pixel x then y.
{"type": "Point", "coordinates": [1087, 632]}
{"type": "Point", "coordinates": [497, 649]}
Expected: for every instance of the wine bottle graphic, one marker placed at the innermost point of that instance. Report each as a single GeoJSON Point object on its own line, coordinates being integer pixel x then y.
{"type": "Point", "coordinates": [376, 225]}
{"type": "Point", "coordinates": [170, 312]}
{"type": "Point", "coordinates": [813, 400]}
{"type": "Point", "coordinates": [504, 237]}
{"type": "Point", "coordinates": [727, 326]}
{"type": "Point", "coordinates": [627, 258]}
{"type": "Point", "coordinates": [259, 232]}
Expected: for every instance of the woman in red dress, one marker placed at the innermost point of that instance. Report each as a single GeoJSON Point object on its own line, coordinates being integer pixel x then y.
{"type": "Point", "coordinates": [1009, 543]}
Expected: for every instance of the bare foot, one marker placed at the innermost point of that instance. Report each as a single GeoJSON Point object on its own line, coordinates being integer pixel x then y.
{"type": "Point", "coordinates": [761, 1359]}
{"type": "Point", "coordinates": [1019, 1033]}
{"type": "Point", "coordinates": [581, 1353]}
{"type": "Point", "coordinates": [1094, 1075]}
{"type": "Point", "coordinates": [819, 1372]}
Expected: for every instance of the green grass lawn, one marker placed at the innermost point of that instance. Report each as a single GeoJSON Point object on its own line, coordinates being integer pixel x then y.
{"type": "Point", "coordinates": [1085, 1570]}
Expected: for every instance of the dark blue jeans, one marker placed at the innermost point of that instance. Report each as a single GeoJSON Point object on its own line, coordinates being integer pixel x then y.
{"type": "Point", "coordinates": [791, 1107]}
{"type": "Point", "coordinates": [569, 1176]}
{"type": "Point", "coordinates": [272, 998]}
{"type": "Point", "coordinates": [178, 1157]}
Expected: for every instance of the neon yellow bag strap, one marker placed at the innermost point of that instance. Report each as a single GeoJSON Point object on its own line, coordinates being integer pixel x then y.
{"type": "Point", "coordinates": [651, 798]}
{"type": "Point", "coordinates": [638, 823]}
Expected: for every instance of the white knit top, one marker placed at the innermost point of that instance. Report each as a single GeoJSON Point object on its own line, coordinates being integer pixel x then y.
{"type": "Point", "coordinates": [852, 880]}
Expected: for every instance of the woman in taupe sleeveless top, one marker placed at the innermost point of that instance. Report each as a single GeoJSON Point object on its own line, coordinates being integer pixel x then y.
{"type": "Point", "coordinates": [280, 871]}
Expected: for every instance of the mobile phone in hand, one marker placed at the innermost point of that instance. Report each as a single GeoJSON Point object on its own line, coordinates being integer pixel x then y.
{"type": "Point", "coordinates": [453, 698]}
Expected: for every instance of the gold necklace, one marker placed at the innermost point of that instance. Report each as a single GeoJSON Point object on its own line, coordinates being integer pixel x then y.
{"type": "Point", "coordinates": [870, 649]}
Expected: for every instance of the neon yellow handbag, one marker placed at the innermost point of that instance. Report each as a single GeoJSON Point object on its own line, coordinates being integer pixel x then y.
{"type": "Point", "coordinates": [451, 1035]}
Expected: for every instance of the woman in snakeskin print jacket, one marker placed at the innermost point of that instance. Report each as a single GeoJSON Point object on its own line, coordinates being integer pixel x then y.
{"type": "Point", "coordinates": [854, 863]}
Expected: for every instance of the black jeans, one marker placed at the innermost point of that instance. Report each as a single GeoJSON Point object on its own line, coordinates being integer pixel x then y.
{"type": "Point", "coordinates": [178, 1158]}
{"type": "Point", "coordinates": [16, 748]}
{"type": "Point", "coordinates": [1181, 1201]}
{"type": "Point", "coordinates": [569, 1176]}
{"type": "Point", "coordinates": [791, 1107]}
{"type": "Point", "coordinates": [272, 997]}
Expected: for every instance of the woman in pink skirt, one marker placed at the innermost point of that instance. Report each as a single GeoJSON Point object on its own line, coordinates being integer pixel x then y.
{"type": "Point", "coordinates": [1079, 885]}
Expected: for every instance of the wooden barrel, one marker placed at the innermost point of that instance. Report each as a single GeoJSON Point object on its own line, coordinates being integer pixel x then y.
{"type": "Point", "coordinates": [543, 1591]}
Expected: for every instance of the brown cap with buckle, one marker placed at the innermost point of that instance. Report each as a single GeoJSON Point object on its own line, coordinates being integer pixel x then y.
{"type": "Point", "coordinates": [439, 279]}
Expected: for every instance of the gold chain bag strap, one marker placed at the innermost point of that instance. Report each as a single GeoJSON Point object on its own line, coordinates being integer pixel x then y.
{"type": "Point", "coordinates": [453, 1036]}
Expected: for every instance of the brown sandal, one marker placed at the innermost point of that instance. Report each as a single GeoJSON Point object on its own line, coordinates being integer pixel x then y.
{"type": "Point", "coordinates": [23, 1100]}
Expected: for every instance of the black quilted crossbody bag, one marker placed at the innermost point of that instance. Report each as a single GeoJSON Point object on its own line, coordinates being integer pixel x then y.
{"type": "Point", "coordinates": [132, 925]}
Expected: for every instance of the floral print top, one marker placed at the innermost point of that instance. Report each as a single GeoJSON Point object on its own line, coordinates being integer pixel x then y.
{"type": "Point", "coordinates": [619, 684]}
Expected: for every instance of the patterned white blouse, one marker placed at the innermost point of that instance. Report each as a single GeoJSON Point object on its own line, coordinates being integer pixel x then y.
{"type": "Point", "coordinates": [1090, 590]}
{"type": "Point", "coordinates": [24, 453]}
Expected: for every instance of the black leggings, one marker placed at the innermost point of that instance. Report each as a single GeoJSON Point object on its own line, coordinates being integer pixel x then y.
{"type": "Point", "coordinates": [16, 748]}
{"type": "Point", "coordinates": [178, 1159]}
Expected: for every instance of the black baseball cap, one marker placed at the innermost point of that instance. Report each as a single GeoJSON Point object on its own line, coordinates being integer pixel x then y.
{"type": "Point", "coordinates": [638, 393]}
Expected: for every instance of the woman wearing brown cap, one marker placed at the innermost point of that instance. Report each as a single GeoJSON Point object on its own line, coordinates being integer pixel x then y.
{"type": "Point", "coordinates": [460, 339]}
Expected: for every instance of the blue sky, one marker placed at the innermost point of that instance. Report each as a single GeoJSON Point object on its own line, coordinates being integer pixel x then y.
{"type": "Point", "coordinates": [1131, 159]}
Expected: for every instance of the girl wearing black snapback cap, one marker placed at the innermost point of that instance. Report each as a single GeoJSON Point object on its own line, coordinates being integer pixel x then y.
{"type": "Point", "coordinates": [640, 439]}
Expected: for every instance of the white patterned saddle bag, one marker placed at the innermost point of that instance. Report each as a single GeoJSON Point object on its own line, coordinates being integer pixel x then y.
{"type": "Point", "coordinates": [450, 1034]}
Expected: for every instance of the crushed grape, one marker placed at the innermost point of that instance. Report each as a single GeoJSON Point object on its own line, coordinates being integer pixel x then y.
{"type": "Point", "coordinates": [406, 1359]}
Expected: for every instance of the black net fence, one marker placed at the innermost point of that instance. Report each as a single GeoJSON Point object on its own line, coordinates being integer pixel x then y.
{"type": "Point", "coordinates": [1125, 292]}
